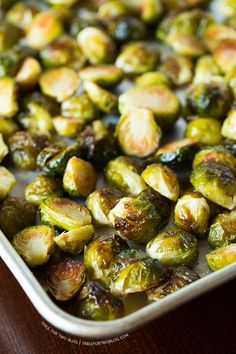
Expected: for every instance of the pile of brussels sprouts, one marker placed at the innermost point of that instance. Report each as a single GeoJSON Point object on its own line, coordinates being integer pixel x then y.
{"type": "Point", "coordinates": [128, 197]}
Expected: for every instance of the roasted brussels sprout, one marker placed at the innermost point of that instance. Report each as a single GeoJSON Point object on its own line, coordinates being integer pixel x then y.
{"type": "Point", "coordinates": [217, 182]}
{"type": "Point", "coordinates": [35, 244]}
{"type": "Point", "coordinates": [206, 70]}
{"type": "Point", "coordinates": [79, 178]}
{"type": "Point", "coordinates": [221, 257]}
{"type": "Point", "coordinates": [64, 279]}
{"type": "Point", "coordinates": [127, 28]}
{"type": "Point", "coordinates": [10, 61]}
{"type": "Point", "coordinates": [157, 98]}
{"type": "Point", "coordinates": [79, 107]}
{"type": "Point", "coordinates": [230, 78]}
{"type": "Point", "coordinates": [152, 78]}
{"type": "Point", "coordinates": [215, 154]}
{"type": "Point", "coordinates": [181, 277]}
{"type": "Point", "coordinates": [222, 231]}
{"type": "Point", "coordinates": [178, 5]}
{"type": "Point", "coordinates": [99, 254]}
{"type": "Point", "coordinates": [103, 99]}
{"type": "Point", "coordinates": [73, 241]}
{"type": "Point", "coordinates": [3, 148]}
{"type": "Point", "coordinates": [227, 8]}
{"type": "Point", "coordinates": [123, 174]}
{"type": "Point", "coordinates": [9, 35]}
{"type": "Point", "coordinates": [138, 133]}
{"type": "Point", "coordinates": [137, 58]}
{"type": "Point", "coordinates": [8, 103]}
{"type": "Point", "coordinates": [21, 15]}
{"type": "Point", "coordinates": [7, 127]}
{"type": "Point", "coordinates": [149, 10]}
{"type": "Point", "coordinates": [7, 182]}
{"type": "Point", "coordinates": [28, 73]}
{"type": "Point", "coordinates": [62, 2]}
{"type": "Point", "coordinates": [97, 46]}
{"type": "Point", "coordinates": [85, 18]}
{"type": "Point", "coordinates": [217, 33]}
{"type": "Point", "coordinates": [225, 55]}
{"type": "Point", "coordinates": [113, 9]}
{"type": "Point", "coordinates": [192, 213]}
{"type": "Point", "coordinates": [206, 130]}
{"type": "Point", "coordinates": [163, 180]}
{"type": "Point", "coordinates": [174, 247]}
{"type": "Point", "coordinates": [178, 69]}
{"type": "Point", "coordinates": [68, 127]}
{"type": "Point", "coordinates": [97, 304]}
{"type": "Point", "coordinates": [64, 213]}
{"type": "Point", "coordinates": [229, 126]}
{"type": "Point", "coordinates": [42, 187]}
{"type": "Point", "coordinates": [104, 75]}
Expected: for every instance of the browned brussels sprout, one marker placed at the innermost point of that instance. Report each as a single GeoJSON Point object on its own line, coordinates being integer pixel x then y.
{"type": "Point", "coordinates": [216, 34]}
{"type": "Point", "coordinates": [105, 75]}
{"type": "Point", "coordinates": [79, 107]}
{"type": "Point", "coordinates": [206, 130]}
{"type": "Point", "coordinates": [103, 99]}
{"type": "Point", "coordinates": [229, 126]}
{"type": "Point", "coordinates": [127, 28]}
{"type": "Point", "coordinates": [152, 78]}
{"type": "Point", "coordinates": [28, 73]}
{"type": "Point", "coordinates": [49, 152]}
{"type": "Point", "coordinates": [221, 257]}
{"type": "Point", "coordinates": [222, 231]}
{"type": "Point", "coordinates": [150, 11]}
{"type": "Point", "coordinates": [67, 126]}
{"type": "Point", "coordinates": [21, 15]}
{"type": "Point", "coordinates": [178, 5]}
{"type": "Point", "coordinates": [3, 148]}
{"type": "Point", "coordinates": [215, 154]}
{"type": "Point", "coordinates": [206, 70]}
{"type": "Point", "coordinates": [225, 55]}
{"type": "Point", "coordinates": [7, 182]}
{"type": "Point", "coordinates": [113, 9]}
{"type": "Point", "coordinates": [178, 69]}
{"type": "Point", "coordinates": [8, 103]}
{"type": "Point", "coordinates": [85, 18]}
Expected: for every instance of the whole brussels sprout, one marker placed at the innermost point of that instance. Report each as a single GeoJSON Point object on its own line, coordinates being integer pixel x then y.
{"type": "Point", "coordinates": [206, 70]}
{"type": "Point", "coordinates": [149, 10]}
{"type": "Point", "coordinates": [217, 182]}
{"type": "Point", "coordinates": [174, 247]}
{"type": "Point", "coordinates": [157, 98]}
{"type": "Point", "coordinates": [7, 182]}
{"type": "Point", "coordinates": [104, 75]}
{"type": "Point", "coordinates": [217, 33]}
{"type": "Point", "coordinates": [49, 152]}
{"type": "Point", "coordinates": [97, 304]}
{"type": "Point", "coordinates": [64, 279]}
{"type": "Point", "coordinates": [215, 154]}
{"type": "Point", "coordinates": [123, 174]}
{"type": "Point", "coordinates": [181, 277]}
{"type": "Point", "coordinates": [21, 15]}
{"type": "Point", "coordinates": [230, 78]}
{"type": "Point", "coordinates": [113, 9]}
{"type": "Point", "coordinates": [64, 213]}
{"type": "Point", "coordinates": [222, 231]}
{"type": "Point", "coordinates": [178, 69]}
{"type": "Point", "coordinates": [34, 244]}
{"type": "Point", "coordinates": [85, 18]}
{"type": "Point", "coordinates": [225, 55]}
{"type": "Point", "coordinates": [11, 220]}
{"type": "Point", "coordinates": [103, 99]}
{"type": "Point", "coordinates": [99, 254]}
{"type": "Point", "coordinates": [206, 130]}
{"type": "Point", "coordinates": [68, 127]}
{"type": "Point", "coordinates": [127, 28]}
{"type": "Point", "coordinates": [42, 187]}
{"type": "Point", "coordinates": [229, 126]}
{"type": "Point", "coordinates": [28, 73]}
{"type": "Point", "coordinates": [152, 78]}
{"type": "Point", "coordinates": [79, 107]}
{"type": "Point", "coordinates": [221, 257]}
{"type": "Point", "coordinates": [3, 148]}
{"type": "Point", "coordinates": [7, 127]}
{"type": "Point", "coordinates": [8, 102]}
{"type": "Point", "coordinates": [9, 35]}
{"type": "Point", "coordinates": [192, 213]}
{"type": "Point", "coordinates": [138, 133]}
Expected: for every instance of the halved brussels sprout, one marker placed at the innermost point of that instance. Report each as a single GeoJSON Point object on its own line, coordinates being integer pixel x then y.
{"type": "Point", "coordinates": [215, 154]}
{"type": "Point", "coordinates": [9, 35]}
{"type": "Point", "coordinates": [73, 241]}
{"type": "Point", "coordinates": [79, 178]}
{"type": "Point", "coordinates": [229, 126]}
{"type": "Point", "coordinates": [192, 213]}
{"type": "Point", "coordinates": [7, 127]}
{"type": "Point", "coordinates": [103, 99]}
{"type": "Point", "coordinates": [217, 182]}
{"type": "Point", "coordinates": [79, 107]}
{"type": "Point", "coordinates": [217, 33]}
{"type": "Point", "coordinates": [227, 8]}
{"type": "Point", "coordinates": [152, 78]}
{"type": "Point", "coordinates": [133, 271]}
{"type": "Point", "coordinates": [42, 187]}
{"type": "Point", "coordinates": [34, 244]}
{"type": "Point", "coordinates": [221, 257]}
{"type": "Point", "coordinates": [85, 18]}
{"type": "Point", "coordinates": [59, 83]}
{"type": "Point", "coordinates": [113, 9]}
{"type": "Point", "coordinates": [123, 174]}
{"type": "Point", "coordinates": [67, 126]}
{"type": "Point", "coordinates": [100, 203]}
{"type": "Point", "coordinates": [97, 304]}
{"type": "Point", "coordinates": [206, 130]}
{"type": "Point", "coordinates": [157, 98]}
{"type": "Point", "coordinates": [206, 70]}
{"type": "Point", "coordinates": [44, 28]}
{"type": "Point", "coordinates": [149, 10]}
{"type": "Point", "coordinates": [181, 277]}
{"type": "Point", "coordinates": [3, 148]}
{"type": "Point", "coordinates": [104, 75]}
{"type": "Point", "coordinates": [137, 58]}
{"type": "Point", "coordinates": [29, 73]}
{"type": "Point", "coordinates": [21, 15]}
{"type": "Point", "coordinates": [222, 231]}
{"type": "Point", "coordinates": [163, 180]}
{"type": "Point", "coordinates": [225, 55]}
{"type": "Point", "coordinates": [174, 247]}
{"type": "Point", "coordinates": [127, 28]}
{"type": "Point", "coordinates": [64, 213]}
{"type": "Point", "coordinates": [64, 279]}
{"type": "Point", "coordinates": [230, 78]}
{"type": "Point", "coordinates": [97, 45]}
{"type": "Point", "coordinates": [8, 102]}
{"type": "Point", "coordinates": [178, 69]}
{"type": "Point", "coordinates": [7, 182]}
{"type": "Point", "coordinates": [99, 254]}
{"type": "Point", "coordinates": [138, 133]}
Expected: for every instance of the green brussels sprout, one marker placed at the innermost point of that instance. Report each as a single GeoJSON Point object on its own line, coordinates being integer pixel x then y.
{"type": "Point", "coordinates": [42, 187]}
{"type": "Point", "coordinates": [49, 152]}
{"type": "Point", "coordinates": [123, 174]}
{"type": "Point", "coordinates": [64, 213]}
{"type": "Point", "coordinates": [192, 213]}
{"type": "Point", "coordinates": [24, 148]}
{"type": "Point", "coordinates": [100, 203]}
{"type": "Point", "coordinates": [181, 277]}
{"type": "Point", "coordinates": [11, 60]}
{"type": "Point", "coordinates": [152, 78]}
{"type": "Point", "coordinates": [103, 99]}
{"type": "Point", "coordinates": [7, 182]}
{"type": "Point", "coordinates": [221, 257]}
{"type": "Point", "coordinates": [99, 254]}
{"type": "Point", "coordinates": [212, 99]}
{"type": "Point", "coordinates": [67, 126]}
{"type": "Point", "coordinates": [157, 98]}
{"type": "Point", "coordinates": [60, 83]}
{"type": "Point", "coordinates": [227, 8]}
{"type": "Point", "coordinates": [62, 2]}
{"type": "Point", "coordinates": [7, 127]}
{"type": "Point", "coordinates": [43, 29]}
{"type": "Point", "coordinates": [215, 154]}
{"type": "Point", "coordinates": [11, 220]}
{"type": "Point", "coordinates": [64, 279]}
{"type": "Point", "coordinates": [222, 231]}
{"type": "Point", "coordinates": [133, 271]}
{"type": "Point", "coordinates": [35, 244]}
{"type": "Point", "coordinates": [174, 247]}
{"type": "Point", "coordinates": [103, 75]}
{"type": "Point", "coordinates": [225, 55]}
{"type": "Point", "coordinates": [139, 219]}
{"type": "Point", "coordinates": [206, 70]}
{"type": "Point", "coordinates": [97, 45]}
{"type": "Point", "coordinates": [138, 133]}
{"type": "Point", "coordinates": [229, 126]}
{"type": "Point", "coordinates": [163, 180]}
{"type": "Point", "coordinates": [79, 178]}
{"type": "Point", "coordinates": [230, 78]}
{"type": "Point", "coordinates": [85, 18]}
{"type": "Point", "coordinates": [6, 4]}
{"type": "Point", "coordinates": [206, 130]}
{"type": "Point", "coordinates": [21, 15]}
{"type": "Point", "coordinates": [150, 11]}
{"type": "Point", "coordinates": [217, 182]}
{"type": "Point", "coordinates": [63, 51]}
{"type": "Point", "coordinates": [177, 5]}
{"type": "Point", "coordinates": [97, 304]}
{"type": "Point", "coordinates": [9, 35]}
{"type": "Point", "coordinates": [3, 148]}
{"type": "Point", "coordinates": [79, 107]}
{"type": "Point", "coordinates": [28, 73]}
{"type": "Point", "coordinates": [73, 241]}
{"type": "Point", "coordinates": [178, 69]}
{"type": "Point", "coordinates": [137, 58]}
{"type": "Point", "coordinates": [127, 28]}
{"type": "Point", "coordinates": [217, 33]}
{"type": "Point", "coordinates": [113, 9]}
{"type": "Point", "coordinates": [8, 102]}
